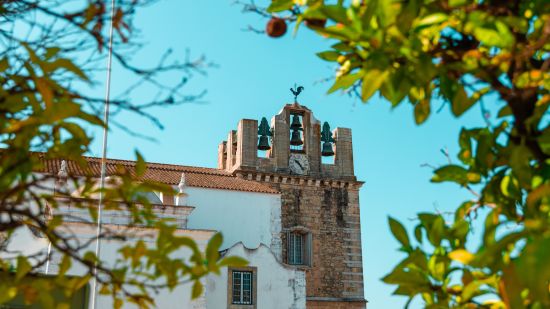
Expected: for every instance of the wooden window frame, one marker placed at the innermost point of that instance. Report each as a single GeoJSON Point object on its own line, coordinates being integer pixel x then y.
{"type": "Point", "coordinates": [306, 247]}
{"type": "Point", "coordinates": [254, 294]}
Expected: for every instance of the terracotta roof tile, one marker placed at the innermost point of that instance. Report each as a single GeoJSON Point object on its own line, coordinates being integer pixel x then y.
{"type": "Point", "coordinates": [165, 173]}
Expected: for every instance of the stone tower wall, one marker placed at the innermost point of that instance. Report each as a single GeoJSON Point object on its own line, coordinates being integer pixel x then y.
{"type": "Point", "coordinates": [331, 214]}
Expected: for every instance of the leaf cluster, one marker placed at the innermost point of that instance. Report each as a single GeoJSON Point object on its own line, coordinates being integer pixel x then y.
{"type": "Point", "coordinates": [464, 53]}
{"type": "Point", "coordinates": [50, 56]}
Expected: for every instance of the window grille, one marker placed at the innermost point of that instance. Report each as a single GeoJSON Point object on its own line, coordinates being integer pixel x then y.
{"type": "Point", "coordinates": [299, 246]}
{"type": "Point", "coordinates": [295, 255]}
{"type": "Point", "coordinates": [242, 287]}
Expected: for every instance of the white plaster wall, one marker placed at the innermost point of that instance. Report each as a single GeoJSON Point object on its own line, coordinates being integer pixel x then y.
{"type": "Point", "coordinates": [278, 286]}
{"type": "Point", "coordinates": [179, 298]}
{"type": "Point", "coordinates": [247, 217]}
{"type": "Point", "coordinates": [25, 243]}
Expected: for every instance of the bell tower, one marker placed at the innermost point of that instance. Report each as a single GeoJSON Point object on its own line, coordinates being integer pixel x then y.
{"type": "Point", "coordinates": [294, 132]}
{"type": "Point", "coordinates": [320, 222]}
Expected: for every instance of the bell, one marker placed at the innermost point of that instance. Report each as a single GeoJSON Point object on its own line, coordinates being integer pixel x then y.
{"type": "Point", "coordinates": [327, 139]}
{"type": "Point", "coordinates": [296, 139]}
{"type": "Point", "coordinates": [263, 143]}
{"type": "Point", "coordinates": [327, 150]}
{"type": "Point", "coordinates": [295, 125]}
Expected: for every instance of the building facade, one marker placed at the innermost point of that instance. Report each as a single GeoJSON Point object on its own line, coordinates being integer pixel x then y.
{"type": "Point", "coordinates": [320, 225]}
{"type": "Point", "coordinates": [292, 214]}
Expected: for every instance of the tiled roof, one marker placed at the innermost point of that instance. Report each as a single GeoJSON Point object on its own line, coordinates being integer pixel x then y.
{"type": "Point", "coordinates": [165, 173]}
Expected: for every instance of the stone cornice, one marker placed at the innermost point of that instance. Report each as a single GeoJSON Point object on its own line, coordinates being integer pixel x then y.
{"type": "Point", "coordinates": [276, 178]}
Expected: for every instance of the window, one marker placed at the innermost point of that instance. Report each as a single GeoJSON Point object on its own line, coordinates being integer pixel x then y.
{"type": "Point", "coordinates": [296, 254]}
{"type": "Point", "coordinates": [299, 248]}
{"type": "Point", "coordinates": [242, 287]}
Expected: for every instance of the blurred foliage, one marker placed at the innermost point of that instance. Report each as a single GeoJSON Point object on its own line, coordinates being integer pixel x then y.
{"type": "Point", "coordinates": [51, 54]}
{"type": "Point", "coordinates": [463, 53]}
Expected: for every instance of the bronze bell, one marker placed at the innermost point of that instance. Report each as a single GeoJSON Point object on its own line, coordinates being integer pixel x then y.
{"type": "Point", "coordinates": [295, 125]}
{"type": "Point", "coordinates": [296, 139]}
{"type": "Point", "coordinates": [263, 143]}
{"type": "Point", "coordinates": [264, 131]}
{"type": "Point", "coordinates": [327, 150]}
{"type": "Point", "coordinates": [327, 139]}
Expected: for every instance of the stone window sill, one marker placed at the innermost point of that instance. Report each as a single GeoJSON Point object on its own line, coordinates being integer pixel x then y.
{"type": "Point", "coordinates": [237, 306]}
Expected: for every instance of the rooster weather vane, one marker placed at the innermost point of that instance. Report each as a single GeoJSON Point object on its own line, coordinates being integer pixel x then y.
{"type": "Point", "coordinates": [296, 92]}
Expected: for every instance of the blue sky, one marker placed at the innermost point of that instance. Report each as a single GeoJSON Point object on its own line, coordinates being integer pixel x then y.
{"type": "Point", "coordinates": [252, 81]}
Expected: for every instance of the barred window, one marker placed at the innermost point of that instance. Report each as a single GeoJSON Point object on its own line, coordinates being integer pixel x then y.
{"type": "Point", "coordinates": [295, 254]}
{"type": "Point", "coordinates": [299, 248]}
{"type": "Point", "coordinates": [242, 287]}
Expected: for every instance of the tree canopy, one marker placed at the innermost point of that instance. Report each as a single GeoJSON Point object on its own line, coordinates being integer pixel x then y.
{"type": "Point", "coordinates": [493, 55]}
{"type": "Point", "coordinates": [52, 54]}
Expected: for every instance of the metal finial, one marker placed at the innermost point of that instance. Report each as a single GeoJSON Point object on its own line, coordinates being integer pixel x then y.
{"type": "Point", "coordinates": [63, 170]}
{"type": "Point", "coordinates": [296, 92]}
{"type": "Point", "coordinates": [182, 183]}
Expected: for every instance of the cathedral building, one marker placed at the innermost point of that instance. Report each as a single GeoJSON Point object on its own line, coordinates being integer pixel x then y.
{"type": "Point", "coordinates": [285, 197]}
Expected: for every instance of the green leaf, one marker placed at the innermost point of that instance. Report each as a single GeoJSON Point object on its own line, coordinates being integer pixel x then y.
{"type": "Point", "coordinates": [418, 233]}
{"type": "Point", "coordinates": [43, 86]}
{"type": "Point", "coordinates": [280, 5]}
{"type": "Point", "coordinates": [459, 231]}
{"type": "Point", "coordinates": [506, 37]}
{"type": "Point", "coordinates": [432, 19]}
{"type": "Point", "coordinates": [544, 140]}
{"type": "Point", "coordinates": [455, 173]}
{"type": "Point", "coordinates": [520, 164]}
{"type": "Point", "coordinates": [499, 36]}
{"type": "Point", "coordinates": [533, 269]}
{"type": "Point", "coordinates": [399, 232]}
{"type": "Point", "coordinates": [421, 111]}
{"type": "Point", "coordinates": [461, 102]}
{"type": "Point", "coordinates": [4, 64]}
{"type": "Point", "coordinates": [23, 267]}
{"type": "Point", "coordinates": [51, 52]}
{"type": "Point", "coordinates": [141, 166]}
{"type": "Point", "coordinates": [339, 33]}
{"type": "Point", "coordinates": [471, 290]}
{"type": "Point", "coordinates": [436, 231]}
{"type": "Point", "coordinates": [409, 277]}
{"type": "Point", "coordinates": [437, 266]}
{"type": "Point", "coordinates": [465, 142]}
{"type": "Point", "coordinates": [336, 13]}
{"type": "Point", "coordinates": [197, 289]}
{"type": "Point", "coordinates": [233, 261]}
{"type": "Point", "coordinates": [92, 119]}
{"type": "Point", "coordinates": [67, 65]}
{"type": "Point", "coordinates": [457, 3]}
{"type": "Point", "coordinates": [7, 292]}
{"type": "Point", "coordinates": [343, 47]}
{"type": "Point", "coordinates": [213, 247]}
{"type": "Point", "coordinates": [329, 55]}
{"type": "Point", "coordinates": [61, 111]}
{"type": "Point", "coordinates": [65, 265]}
{"type": "Point", "coordinates": [461, 255]}
{"type": "Point", "coordinates": [395, 88]}
{"type": "Point", "coordinates": [118, 303]}
{"type": "Point", "coordinates": [490, 228]}
{"type": "Point", "coordinates": [372, 81]}
{"type": "Point", "coordinates": [345, 81]}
